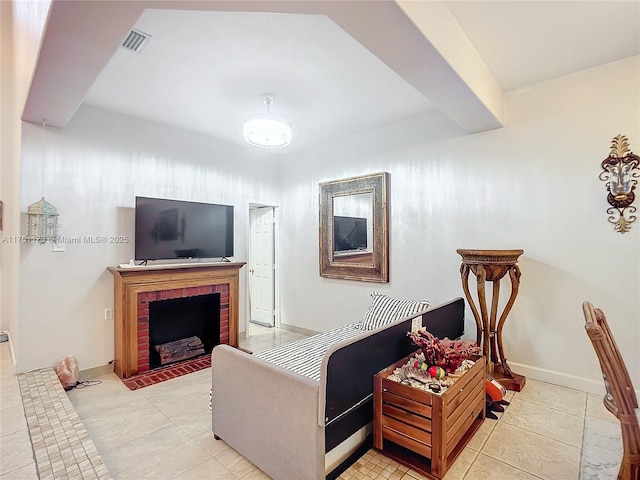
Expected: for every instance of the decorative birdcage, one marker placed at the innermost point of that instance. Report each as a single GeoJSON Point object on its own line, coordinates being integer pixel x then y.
{"type": "Point", "coordinates": [42, 222]}
{"type": "Point", "coordinates": [42, 217]}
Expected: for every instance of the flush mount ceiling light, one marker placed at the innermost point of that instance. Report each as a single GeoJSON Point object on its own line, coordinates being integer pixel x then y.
{"type": "Point", "coordinates": [268, 129]}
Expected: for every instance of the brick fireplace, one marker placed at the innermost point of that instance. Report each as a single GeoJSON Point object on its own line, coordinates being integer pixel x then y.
{"type": "Point", "coordinates": [135, 288]}
{"type": "Point", "coordinates": [146, 298]}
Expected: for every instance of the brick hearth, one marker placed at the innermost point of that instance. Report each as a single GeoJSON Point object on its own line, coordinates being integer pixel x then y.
{"type": "Point", "coordinates": [161, 374]}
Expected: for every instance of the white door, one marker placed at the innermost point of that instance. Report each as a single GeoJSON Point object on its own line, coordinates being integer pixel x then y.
{"type": "Point", "coordinates": [261, 266]}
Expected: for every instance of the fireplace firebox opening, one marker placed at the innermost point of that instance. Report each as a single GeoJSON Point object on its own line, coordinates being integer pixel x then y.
{"type": "Point", "coordinates": [175, 324]}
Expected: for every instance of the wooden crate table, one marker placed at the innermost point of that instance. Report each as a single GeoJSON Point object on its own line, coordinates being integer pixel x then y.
{"type": "Point", "coordinates": [424, 430]}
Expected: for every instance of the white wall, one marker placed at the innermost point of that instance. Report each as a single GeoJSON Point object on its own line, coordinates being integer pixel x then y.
{"type": "Point", "coordinates": [532, 185]}
{"type": "Point", "coordinates": [22, 27]}
{"type": "Point", "coordinates": [94, 169]}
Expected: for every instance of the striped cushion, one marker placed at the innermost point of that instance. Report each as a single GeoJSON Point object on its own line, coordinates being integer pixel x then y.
{"type": "Point", "coordinates": [305, 356]}
{"type": "Point", "coordinates": [384, 310]}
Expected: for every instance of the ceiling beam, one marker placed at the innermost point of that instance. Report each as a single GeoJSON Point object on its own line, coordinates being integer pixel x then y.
{"type": "Point", "coordinates": [474, 99]}
{"type": "Point", "coordinates": [420, 41]}
{"type": "Point", "coordinates": [80, 38]}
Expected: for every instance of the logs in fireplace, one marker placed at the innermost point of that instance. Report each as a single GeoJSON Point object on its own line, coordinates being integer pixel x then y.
{"type": "Point", "coordinates": [180, 350]}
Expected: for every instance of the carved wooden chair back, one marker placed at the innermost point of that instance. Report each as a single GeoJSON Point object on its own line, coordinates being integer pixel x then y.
{"type": "Point", "coordinates": [620, 398]}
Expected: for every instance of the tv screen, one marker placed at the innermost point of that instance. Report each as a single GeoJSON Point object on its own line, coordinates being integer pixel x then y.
{"type": "Point", "coordinates": [349, 233]}
{"type": "Point", "coordinates": [169, 229]}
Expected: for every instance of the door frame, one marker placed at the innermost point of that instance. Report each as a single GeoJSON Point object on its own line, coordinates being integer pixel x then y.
{"type": "Point", "coordinates": [276, 262]}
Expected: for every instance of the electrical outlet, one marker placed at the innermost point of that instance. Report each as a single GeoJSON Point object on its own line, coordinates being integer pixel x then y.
{"type": "Point", "coordinates": [108, 313]}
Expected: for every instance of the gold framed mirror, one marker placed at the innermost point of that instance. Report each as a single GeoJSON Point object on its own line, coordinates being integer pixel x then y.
{"type": "Point", "coordinates": [354, 228]}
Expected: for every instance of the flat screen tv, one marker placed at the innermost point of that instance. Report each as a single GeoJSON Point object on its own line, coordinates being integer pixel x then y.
{"type": "Point", "coordinates": [349, 233]}
{"type": "Point", "coordinates": [169, 229]}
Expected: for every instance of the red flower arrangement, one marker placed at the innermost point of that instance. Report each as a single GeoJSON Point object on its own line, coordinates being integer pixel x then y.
{"type": "Point", "coordinates": [444, 353]}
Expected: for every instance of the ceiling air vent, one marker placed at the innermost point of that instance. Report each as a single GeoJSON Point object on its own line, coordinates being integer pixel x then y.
{"type": "Point", "coordinates": [135, 41]}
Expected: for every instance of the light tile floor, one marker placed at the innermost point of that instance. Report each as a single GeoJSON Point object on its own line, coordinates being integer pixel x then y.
{"type": "Point", "coordinates": [164, 432]}
{"type": "Point", "coordinates": [16, 455]}
{"type": "Point", "coordinates": [548, 432]}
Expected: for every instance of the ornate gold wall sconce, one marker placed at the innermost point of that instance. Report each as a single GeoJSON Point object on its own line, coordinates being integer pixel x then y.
{"type": "Point", "coordinates": [620, 170]}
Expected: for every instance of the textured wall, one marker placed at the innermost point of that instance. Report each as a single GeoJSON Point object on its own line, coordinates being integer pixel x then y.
{"type": "Point", "coordinates": [532, 185]}
{"type": "Point", "coordinates": [94, 169]}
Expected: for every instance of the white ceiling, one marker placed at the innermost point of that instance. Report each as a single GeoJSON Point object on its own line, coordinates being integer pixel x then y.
{"type": "Point", "coordinates": [528, 42]}
{"type": "Point", "coordinates": [335, 67]}
{"type": "Point", "coordinates": [205, 71]}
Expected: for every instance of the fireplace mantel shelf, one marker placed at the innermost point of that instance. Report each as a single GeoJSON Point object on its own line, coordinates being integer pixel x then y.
{"type": "Point", "coordinates": [129, 282]}
{"type": "Point", "coordinates": [175, 266]}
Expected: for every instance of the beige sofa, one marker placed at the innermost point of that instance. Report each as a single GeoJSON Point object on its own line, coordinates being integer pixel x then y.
{"type": "Point", "coordinates": [296, 428]}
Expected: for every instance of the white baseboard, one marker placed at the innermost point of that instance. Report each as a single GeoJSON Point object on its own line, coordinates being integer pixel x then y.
{"type": "Point", "coordinates": [91, 373]}
{"type": "Point", "coordinates": [293, 328]}
{"type": "Point", "coordinates": [562, 379]}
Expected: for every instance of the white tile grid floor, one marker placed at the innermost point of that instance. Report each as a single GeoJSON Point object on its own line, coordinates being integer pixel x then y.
{"type": "Point", "coordinates": [16, 454]}
{"type": "Point", "coordinates": [164, 432]}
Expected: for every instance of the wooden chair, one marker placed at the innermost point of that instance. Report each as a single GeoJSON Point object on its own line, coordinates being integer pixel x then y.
{"type": "Point", "coordinates": [620, 398]}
